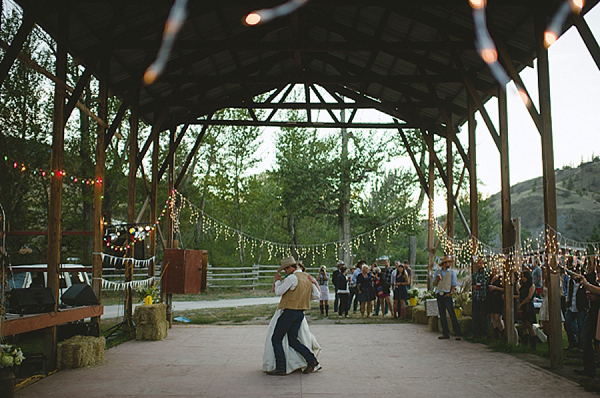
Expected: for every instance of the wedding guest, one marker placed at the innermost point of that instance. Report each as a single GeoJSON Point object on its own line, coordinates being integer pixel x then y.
{"type": "Point", "coordinates": [496, 302]}
{"type": "Point", "coordinates": [525, 308]}
{"type": "Point", "coordinates": [401, 282]}
{"type": "Point", "coordinates": [366, 294]}
{"type": "Point", "coordinates": [382, 289]}
{"type": "Point", "coordinates": [323, 280]}
{"type": "Point", "coordinates": [343, 291]}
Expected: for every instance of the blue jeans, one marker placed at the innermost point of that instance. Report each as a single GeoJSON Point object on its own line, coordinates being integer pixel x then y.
{"type": "Point", "coordinates": [378, 304]}
{"type": "Point", "coordinates": [289, 323]}
{"type": "Point", "coordinates": [574, 327]}
{"type": "Point", "coordinates": [480, 319]}
{"type": "Point", "coordinates": [446, 303]}
{"type": "Point", "coordinates": [353, 294]}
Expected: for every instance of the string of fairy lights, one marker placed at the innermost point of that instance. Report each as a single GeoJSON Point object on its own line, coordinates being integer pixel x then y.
{"type": "Point", "coordinates": [24, 168]}
{"type": "Point", "coordinates": [252, 245]}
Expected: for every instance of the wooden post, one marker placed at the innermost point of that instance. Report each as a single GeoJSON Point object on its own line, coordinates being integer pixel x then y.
{"type": "Point", "coordinates": [507, 227]}
{"type": "Point", "coordinates": [170, 226]}
{"type": "Point", "coordinates": [55, 209]}
{"type": "Point", "coordinates": [549, 186]}
{"type": "Point", "coordinates": [430, 231]}
{"type": "Point", "coordinates": [99, 191]}
{"type": "Point", "coordinates": [449, 189]}
{"type": "Point", "coordinates": [473, 194]}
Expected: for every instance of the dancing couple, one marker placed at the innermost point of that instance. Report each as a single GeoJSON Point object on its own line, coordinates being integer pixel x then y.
{"type": "Point", "coordinates": [288, 327]}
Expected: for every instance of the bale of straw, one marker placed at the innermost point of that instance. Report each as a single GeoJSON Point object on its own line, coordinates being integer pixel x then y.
{"type": "Point", "coordinates": [150, 314]}
{"type": "Point", "coordinates": [81, 351]}
{"type": "Point", "coordinates": [419, 315]}
{"type": "Point", "coordinates": [408, 311]}
{"type": "Point", "coordinates": [151, 322]}
{"type": "Point", "coordinates": [464, 322]}
{"type": "Point", "coordinates": [468, 308]}
{"type": "Point", "coordinates": [433, 324]}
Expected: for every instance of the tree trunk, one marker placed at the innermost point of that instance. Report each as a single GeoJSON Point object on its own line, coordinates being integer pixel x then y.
{"type": "Point", "coordinates": [87, 169]}
{"type": "Point", "coordinates": [412, 239]}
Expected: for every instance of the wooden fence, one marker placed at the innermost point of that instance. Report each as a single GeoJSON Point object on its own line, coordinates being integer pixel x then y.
{"type": "Point", "coordinates": [255, 276]}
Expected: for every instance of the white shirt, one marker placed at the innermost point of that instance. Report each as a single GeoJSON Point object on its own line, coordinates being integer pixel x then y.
{"type": "Point", "coordinates": [290, 283]}
{"type": "Point", "coordinates": [573, 307]}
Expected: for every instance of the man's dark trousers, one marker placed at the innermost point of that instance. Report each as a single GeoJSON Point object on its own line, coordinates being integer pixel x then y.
{"type": "Point", "coordinates": [480, 319]}
{"type": "Point", "coordinates": [289, 323]}
{"type": "Point", "coordinates": [445, 303]}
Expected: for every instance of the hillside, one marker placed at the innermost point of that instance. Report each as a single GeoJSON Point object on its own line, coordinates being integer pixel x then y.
{"type": "Point", "coordinates": [577, 196]}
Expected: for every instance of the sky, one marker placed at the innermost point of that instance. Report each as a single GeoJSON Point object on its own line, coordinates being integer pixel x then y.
{"type": "Point", "coordinates": [575, 85]}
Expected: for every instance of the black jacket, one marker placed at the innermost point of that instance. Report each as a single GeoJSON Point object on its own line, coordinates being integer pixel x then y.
{"type": "Point", "coordinates": [581, 300]}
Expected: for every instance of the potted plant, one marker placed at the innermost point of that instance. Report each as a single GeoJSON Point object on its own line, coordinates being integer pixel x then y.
{"type": "Point", "coordinates": [10, 356]}
{"type": "Point", "coordinates": [413, 295]}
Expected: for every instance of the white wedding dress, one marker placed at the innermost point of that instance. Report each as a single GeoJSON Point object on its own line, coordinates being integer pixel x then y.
{"type": "Point", "coordinates": [293, 359]}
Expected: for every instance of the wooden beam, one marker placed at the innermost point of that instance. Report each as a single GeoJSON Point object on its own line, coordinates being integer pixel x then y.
{"type": "Point", "coordinates": [450, 185]}
{"type": "Point", "coordinates": [172, 150]}
{"type": "Point", "coordinates": [99, 176]}
{"type": "Point", "coordinates": [115, 123]}
{"type": "Point", "coordinates": [16, 45]}
{"type": "Point", "coordinates": [156, 128]}
{"type": "Point", "coordinates": [13, 326]}
{"type": "Point", "coordinates": [190, 156]}
{"type": "Point", "coordinates": [588, 38]}
{"type": "Point", "coordinates": [82, 83]}
{"type": "Point", "coordinates": [414, 161]}
{"type": "Point", "coordinates": [64, 86]}
{"type": "Point", "coordinates": [334, 125]}
{"type": "Point", "coordinates": [473, 194]}
{"type": "Point", "coordinates": [56, 182]}
{"type": "Point", "coordinates": [431, 219]}
{"type": "Point", "coordinates": [549, 186]}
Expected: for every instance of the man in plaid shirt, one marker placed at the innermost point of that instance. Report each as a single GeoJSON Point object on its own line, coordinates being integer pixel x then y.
{"type": "Point", "coordinates": [480, 287]}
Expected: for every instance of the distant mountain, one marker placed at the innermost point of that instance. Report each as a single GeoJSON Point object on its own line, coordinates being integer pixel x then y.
{"type": "Point", "coordinates": [577, 197]}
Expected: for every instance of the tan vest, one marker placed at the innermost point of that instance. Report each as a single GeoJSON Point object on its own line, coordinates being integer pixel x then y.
{"type": "Point", "coordinates": [299, 298]}
{"type": "Point", "coordinates": [445, 285]}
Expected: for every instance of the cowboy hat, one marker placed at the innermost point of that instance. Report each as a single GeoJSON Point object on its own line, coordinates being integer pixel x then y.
{"type": "Point", "coordinates": [287, 262]}
{"type": "Point", "coordinates": [446, 259]}
{"type": "Point", "coordinates": [341, 262]}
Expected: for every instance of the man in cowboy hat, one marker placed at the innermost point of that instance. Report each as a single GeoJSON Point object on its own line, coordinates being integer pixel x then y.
{"type": "Point", "coordinates": [296, 291]}
{"type": "Point", "coordinates": [334, 278]}
{"type": "Point", "coordinates": [445, 283]}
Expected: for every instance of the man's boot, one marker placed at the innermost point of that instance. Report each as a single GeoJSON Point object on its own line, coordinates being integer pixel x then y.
{"type": "Point", "coordinates": [322, 309]}
{"type": "Point", "coordinates": [326, 310]}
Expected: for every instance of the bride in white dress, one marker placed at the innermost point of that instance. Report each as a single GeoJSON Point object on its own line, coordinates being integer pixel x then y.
{"type": "Point", "coordinates": [293, 359]}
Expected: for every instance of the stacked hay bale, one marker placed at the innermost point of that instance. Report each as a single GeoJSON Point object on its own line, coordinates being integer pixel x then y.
{"type": "Point", "coordinates": [81, 351]}
{"type": "Point", "coordinates": [419, 315]}
{"type": "Point", "coordinates": [151, 322]}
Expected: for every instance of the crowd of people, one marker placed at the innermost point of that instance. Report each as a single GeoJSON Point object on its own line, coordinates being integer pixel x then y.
{"type": "Point", "coordinates": [580, 303]}
{"type": "Point", "coordinates": [371, 288]}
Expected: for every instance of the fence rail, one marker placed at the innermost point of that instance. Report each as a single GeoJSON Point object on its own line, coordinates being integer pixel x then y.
{"type": "Point", "coordinates": [254, 276]}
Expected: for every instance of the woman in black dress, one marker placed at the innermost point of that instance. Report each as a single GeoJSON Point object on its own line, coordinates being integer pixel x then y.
{"type": "Point", "coordinates": [496, 290]}
{"type": "Point", "coordinates": [366, 293]}
{"type": "Point", "coordinates": [526, 308]}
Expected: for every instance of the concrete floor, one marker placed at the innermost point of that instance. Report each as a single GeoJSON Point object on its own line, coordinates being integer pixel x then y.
{"type": "Point", "coordinates": [359, 360]}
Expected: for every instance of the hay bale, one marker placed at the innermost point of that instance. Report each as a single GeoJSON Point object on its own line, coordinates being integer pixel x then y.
{"type": "Point", "coordinates": [467, 309]}
{"type": "Point", "coordinates": [419, 315]}
{"type": "Point", "coordinates": [432, 324]}
{"type": "Point", "coordinates": [408, 311]}
{"type": "Point", "coordinates": [154, 332]}
{"type": "Point", "coordinates": [464, 322]}
{"type": "Point", "coordinates": [81, 351]}
{"type": "Point", "coordinates": [150, 314]}
{"type": "Point", "coordinates": [151, 322]}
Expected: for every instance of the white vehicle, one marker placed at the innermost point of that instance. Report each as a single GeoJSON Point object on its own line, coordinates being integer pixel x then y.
{"type": "Point", "coordinates": [24, 276]}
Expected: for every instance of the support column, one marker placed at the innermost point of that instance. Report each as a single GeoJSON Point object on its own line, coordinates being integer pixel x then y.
{"type": "Point", "coordinates": [507, 226]}
{"type": "Point", "coordinates": [449, 188]}
{"type": "Point", "coordinates": [473, 194]}
{"type": "Point", "coordinates": [549, 184]}
{"type": "Point", "coordinates": [430, 231]}
{"type": "Point", "coordinates": [99, 193]}
{"type": "Point", "coordinates": [170, 226]}
{"type": "Point", "coordinates": [55, 209]}
{"type": "Point", "coordinates": [131, 196]}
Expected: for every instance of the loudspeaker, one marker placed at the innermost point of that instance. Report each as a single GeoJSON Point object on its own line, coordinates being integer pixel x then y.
{"type": "Point", "coordinates": [79, 294]}
{"type": "Point", "coordinates": [33, 300]}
